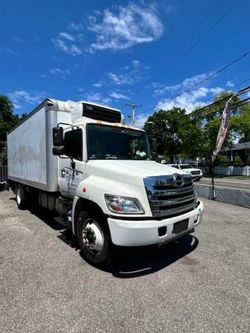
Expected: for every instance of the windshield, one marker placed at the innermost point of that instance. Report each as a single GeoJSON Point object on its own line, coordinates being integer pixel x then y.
{"type": "Point", "coordinates": [185, 166]}
{"type": "Point", "coordinates": [108, 142]}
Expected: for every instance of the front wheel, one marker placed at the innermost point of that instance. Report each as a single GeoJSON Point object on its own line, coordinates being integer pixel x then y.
{"type": "Point", "coordinates": [94, 239]}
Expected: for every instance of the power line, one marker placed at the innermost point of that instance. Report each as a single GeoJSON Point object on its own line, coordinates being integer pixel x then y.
{"type": "Point", "coordinates": [233, 106]}
{"type": "Point", "coordinates": [240, 92]}
{"type": "Point", "coordinates": [231, 32]}
{"type": "Point", "coordinates": [214, 73]}
{"type": "Point", "coordinates": [210, 29]}
{"type": "Point", "coordinates": [240, 103]}
{"type": "Point", "coordinates": [177, 58]}
{"type": "Point", "coordinates": [222, 69]}
{"type": "Point", "coordinates": [204, 20]}
{"type": "Point", "coordinates": [206, 33]}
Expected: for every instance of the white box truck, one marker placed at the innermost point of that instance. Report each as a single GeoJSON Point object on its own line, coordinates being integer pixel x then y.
{"type": "Point", "coordinates": [79, 160]}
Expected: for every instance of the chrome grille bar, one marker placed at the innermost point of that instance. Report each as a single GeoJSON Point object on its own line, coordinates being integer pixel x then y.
{"type": "Point", "coordinates": [171, 192]}
{"type": "Point", "coordinates": [173, 211]}
{"type": "Point", "coordinates": [170, 195]}
{"type": "Point", "coordinates": [173, 201]}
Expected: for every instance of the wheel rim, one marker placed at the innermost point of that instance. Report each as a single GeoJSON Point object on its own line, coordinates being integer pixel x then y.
{"type": "Point", "coordinates": [18, 196]}
{"type": "Point", "coordinates": [92, 236]}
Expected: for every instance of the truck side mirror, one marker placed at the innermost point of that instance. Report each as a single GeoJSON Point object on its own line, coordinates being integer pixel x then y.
{"type": "Point", "coordinates": [58, 150]}
{"type": "Point", "coordinates": [57, 136]}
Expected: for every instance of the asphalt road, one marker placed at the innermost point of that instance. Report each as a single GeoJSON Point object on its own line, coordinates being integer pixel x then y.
{"type": "Point", "coordinates": [199, 284]}
{"type": "Point", "coordinates": [227, 182]}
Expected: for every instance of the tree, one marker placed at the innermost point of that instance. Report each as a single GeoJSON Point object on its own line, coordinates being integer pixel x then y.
{"type": "Point", "coordinates": [175, 132]}
{"type": "Point", "coordinates": [7, 120]}
{"type": "Point", "coordinates": [241, 123]}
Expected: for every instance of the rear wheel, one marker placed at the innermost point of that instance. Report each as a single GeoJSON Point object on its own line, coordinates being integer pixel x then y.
{"type": "Point", "coordinates": [20, 197]}
{"type": "Point", "coordinates": [94, 239]}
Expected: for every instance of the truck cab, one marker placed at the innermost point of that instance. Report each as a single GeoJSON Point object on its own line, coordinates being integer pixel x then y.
{"type": "Point", "coordinates": [120, 194]}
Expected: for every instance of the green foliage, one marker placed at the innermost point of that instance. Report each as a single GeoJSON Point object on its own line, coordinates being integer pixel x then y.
{"type": "Point", "coordinates": [237, 161]}
{"type": "Point", "coordinates": [241, 123]}
{"type": "Point", "coordinates": [3, 156]}
{"type": "Point", "coordinates": [222, 160]}
{"type": "Point", "coordinates": [174, 131]}
{"type": "Point", "coordinates": [7, 120]}
{"type": "Point", "coordinates": [195, 135]}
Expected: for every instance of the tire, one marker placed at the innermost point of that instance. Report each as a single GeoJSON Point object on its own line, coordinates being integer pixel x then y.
{"type": "Point", "coordinates": [20, 197]}
{"type": "Point", "coordinates": [94, 239]}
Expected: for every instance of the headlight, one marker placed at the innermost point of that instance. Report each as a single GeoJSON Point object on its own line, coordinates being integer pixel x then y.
{"type": "Point", "coordinates": [123, 205]}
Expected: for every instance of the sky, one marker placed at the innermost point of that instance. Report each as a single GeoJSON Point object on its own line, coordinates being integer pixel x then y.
{"type": "Point", "coordinates": [156, 54]}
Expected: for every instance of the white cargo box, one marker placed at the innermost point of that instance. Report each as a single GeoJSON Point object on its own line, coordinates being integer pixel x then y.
{"type": "Point", "coordinates": [30, 158]}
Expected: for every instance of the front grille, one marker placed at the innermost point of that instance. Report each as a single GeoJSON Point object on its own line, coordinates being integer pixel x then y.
{"type": "Point", "coordinates": [195, 172]}
{"type": "Point", "coordinates": [170, 195]}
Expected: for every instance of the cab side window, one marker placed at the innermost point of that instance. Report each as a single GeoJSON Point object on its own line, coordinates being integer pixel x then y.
{"type": "Point", "coordinates": [73, 144]}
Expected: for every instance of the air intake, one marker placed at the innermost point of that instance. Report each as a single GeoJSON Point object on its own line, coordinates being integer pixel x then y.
{"type": "Point", "coordinates": [101, 113]}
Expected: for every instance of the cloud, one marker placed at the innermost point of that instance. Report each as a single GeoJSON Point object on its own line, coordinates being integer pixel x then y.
{"type": "Point", "coordinates": [21, 97]}
{"type": "Point", "coordinates": [7, 50]}
{"type": "Point", "coordinates": [75, 27]}
{"type": "Point", "coordinates": [61, 72]}
{"type": "Point", "coordinates": [71, 43]}
{"type": "Point", "coordinates": [229, 84]}
{"type": "Point", "coordinates": [98, 84]}
{"type": "Point", "coordinates": [96, 97]}
{"type": "Point", "coordinates": [189, 100]}
{"type": "Point", "coordinates": [136, 63]}
{"type": "Point", "coordinates": [185, 84]}
{"type": "Point", "coordinates": [121, 79]}
{"type": "Point", "coordinates": [141, 119]}
{"type": "Point", "coordinates": [67, 36]}
{"type": "Point", "coordinates": [117, 95]}
{"type": "Point", "coordinates": [122, 27]}
{"type": "Point", "coordinates": [17, 39]}
{"type": "Point", "coordinates": [128, 75]}
{"type": "Point", "coordinates": [115, 28]}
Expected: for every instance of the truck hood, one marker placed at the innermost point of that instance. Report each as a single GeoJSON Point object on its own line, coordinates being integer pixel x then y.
{"type": "Point", "coordinates": [128, 171]}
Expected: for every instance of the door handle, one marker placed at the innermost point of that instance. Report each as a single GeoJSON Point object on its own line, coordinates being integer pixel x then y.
{"type": "Point", "coordinates": [63, 171]}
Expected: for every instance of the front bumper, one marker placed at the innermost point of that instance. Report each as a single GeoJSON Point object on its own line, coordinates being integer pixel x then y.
{"type": "Point", "coordinates": [146, 232]}
{"type": "Point", "coordinates": [197, 177]}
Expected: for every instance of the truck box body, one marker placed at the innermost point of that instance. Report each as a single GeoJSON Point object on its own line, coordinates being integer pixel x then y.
{"type": "Point", "coordinates": [30, 159]}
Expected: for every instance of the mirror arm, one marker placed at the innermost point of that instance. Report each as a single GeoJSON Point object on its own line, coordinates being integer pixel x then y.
{"type": "Point", "coordinates": [70, 125]}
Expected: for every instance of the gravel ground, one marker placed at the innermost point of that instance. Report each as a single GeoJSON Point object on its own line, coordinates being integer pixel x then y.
{"type": "Point", "coordinates": [198, 284]}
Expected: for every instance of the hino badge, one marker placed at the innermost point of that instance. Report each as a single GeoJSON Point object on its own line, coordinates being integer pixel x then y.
{"type": "Point", "coordinates": [78, 160]}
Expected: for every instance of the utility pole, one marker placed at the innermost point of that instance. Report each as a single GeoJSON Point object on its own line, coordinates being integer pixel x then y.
{"type": "Point", "coordinates": [133, 107]}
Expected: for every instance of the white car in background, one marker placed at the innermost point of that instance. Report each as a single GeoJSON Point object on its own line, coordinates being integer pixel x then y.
{"type": "Point", "coordinates": [194, 172]}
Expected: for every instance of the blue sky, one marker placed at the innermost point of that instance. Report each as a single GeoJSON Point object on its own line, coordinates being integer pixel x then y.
{"type": "Point", "coordinates": [119, 52]}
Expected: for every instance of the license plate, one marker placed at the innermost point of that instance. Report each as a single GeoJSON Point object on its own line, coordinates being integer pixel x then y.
{"type": "Point", "coordinates": [180, 226]}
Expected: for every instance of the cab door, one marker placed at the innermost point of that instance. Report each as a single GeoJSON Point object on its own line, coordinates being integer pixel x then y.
{"type": "Point", "coordinates": [71, 165]}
